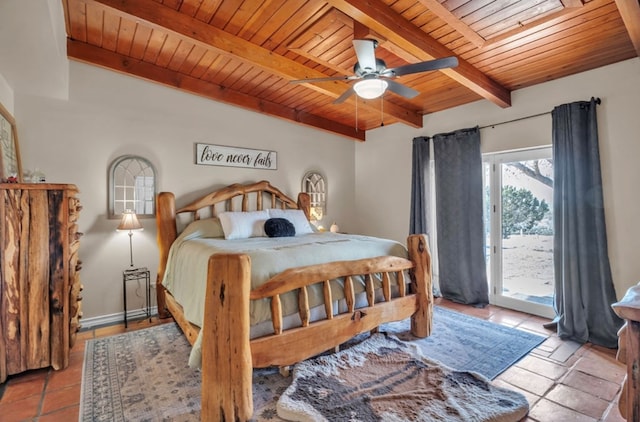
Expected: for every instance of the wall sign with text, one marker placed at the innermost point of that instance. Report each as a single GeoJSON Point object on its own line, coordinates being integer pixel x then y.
{"type": "Point", "coordinates": [218, 155]}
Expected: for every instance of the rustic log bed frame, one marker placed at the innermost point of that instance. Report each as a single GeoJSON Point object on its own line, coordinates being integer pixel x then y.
{"type": "Point", "coordinates": [228, 353]}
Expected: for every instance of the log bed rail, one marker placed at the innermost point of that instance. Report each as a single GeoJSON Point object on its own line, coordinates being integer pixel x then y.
{"type": "Point", "coordinates": [229, 354]}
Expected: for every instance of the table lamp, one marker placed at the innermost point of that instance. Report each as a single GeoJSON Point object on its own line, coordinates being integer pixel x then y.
{"type": "Point", "coordinates": [130, 222]}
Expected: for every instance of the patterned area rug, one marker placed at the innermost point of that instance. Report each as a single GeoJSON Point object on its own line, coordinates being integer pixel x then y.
{"type": "Point", "coordinates": [144, 375]}
{"type": "Point", "coordinates": [387, 379]}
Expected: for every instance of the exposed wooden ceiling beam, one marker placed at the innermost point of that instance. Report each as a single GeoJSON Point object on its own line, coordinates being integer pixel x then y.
{"type": "Point", "coordinates": [166, 19]}
{"type": "Point", "coordinates": [630, 12]}
{"type": "Point", "coordinates": [97, 56]}
{"type": "Point", "coordinates": [473, 37]}
{"type": "Point", "coordinates": [463, 29]}
{"type": "Point", "coordinates": [380, 18]}
{"type": "Point", "coordinates": [572, 3]}
{"type": "Point", "coordinates": [571, 8]}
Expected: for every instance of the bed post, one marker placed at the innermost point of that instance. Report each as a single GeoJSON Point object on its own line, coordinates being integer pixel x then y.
{"type": "Point", "coordinates": [167, 233]}
{"type": "Point", "coordinates": [422, 319]}
{"type": "Point", "coordinates": [227, 367]}
{"type": "Point", "coordinates": [304, 203]}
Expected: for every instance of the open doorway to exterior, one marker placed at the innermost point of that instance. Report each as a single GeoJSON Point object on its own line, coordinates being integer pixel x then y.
{"type": "Point", "coordinates": [519, 230]}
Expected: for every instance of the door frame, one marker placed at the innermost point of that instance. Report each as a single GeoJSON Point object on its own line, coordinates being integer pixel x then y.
{"type": "Point", "coordinates": [494, 267]}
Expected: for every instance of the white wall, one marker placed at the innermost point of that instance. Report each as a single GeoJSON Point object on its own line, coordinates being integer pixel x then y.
{"type": "Point", "coordinates": [6, 95]}
{"type": "Point", "coordinates": [33, 47]}
{"type": "Point", "coordinates": [383, 162]}
{"type": "Point", "coordinates": [108, 115]}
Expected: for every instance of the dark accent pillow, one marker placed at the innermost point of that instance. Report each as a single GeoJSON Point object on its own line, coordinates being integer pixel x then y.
{"type": "Point", "coordinates": [279, 227]}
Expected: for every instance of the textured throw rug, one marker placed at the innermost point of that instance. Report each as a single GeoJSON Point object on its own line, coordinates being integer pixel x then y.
{"type": "Point", "coordinates": [144, 375]}
{"type": "Point", "coordinates": [467, 343]}
{"type": "Point", "coordinates": [386, 379]}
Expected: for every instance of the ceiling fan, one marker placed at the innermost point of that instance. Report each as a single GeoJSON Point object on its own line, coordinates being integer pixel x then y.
{"type": "Point", "coordinates": [373, 76]}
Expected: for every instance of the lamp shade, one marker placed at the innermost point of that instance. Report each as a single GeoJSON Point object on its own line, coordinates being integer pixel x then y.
{"type": "Point", "coordinates": [370, 88]}
{"type": "Point", "coordinates": [129, 222]}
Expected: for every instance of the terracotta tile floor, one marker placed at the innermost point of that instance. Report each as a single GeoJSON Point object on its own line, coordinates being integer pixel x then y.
{"type": "Point", "coordinates": [563, 381]}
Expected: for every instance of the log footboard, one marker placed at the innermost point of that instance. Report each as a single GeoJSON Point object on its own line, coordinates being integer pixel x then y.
{"type": "Point", "coordinates": [229, 356]}
{"type": "Point", "coordinates": [226, 353]}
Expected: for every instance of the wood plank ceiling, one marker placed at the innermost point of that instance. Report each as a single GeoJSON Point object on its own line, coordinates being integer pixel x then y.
{"type": "Point", "coordinates": [246, 53]}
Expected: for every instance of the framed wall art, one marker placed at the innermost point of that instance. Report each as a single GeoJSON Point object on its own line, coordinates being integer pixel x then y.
{"type": "Point", "coordinates": [10, 165]}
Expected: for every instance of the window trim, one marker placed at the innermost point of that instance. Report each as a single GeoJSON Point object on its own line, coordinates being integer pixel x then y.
{"type": "Point", "coordinates": [124, 163]}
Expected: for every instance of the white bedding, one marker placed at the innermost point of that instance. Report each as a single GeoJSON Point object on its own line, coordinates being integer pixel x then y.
{"type": "Point", "coordinates": [186, 272]}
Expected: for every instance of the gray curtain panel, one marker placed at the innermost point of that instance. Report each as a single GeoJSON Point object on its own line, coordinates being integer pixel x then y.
{"type": "Point", "coordinates": [584, 288]}
{"type": "Point", "coordinates": [458, 181]}
{"type": "Point", "coordinates": [420, 187]}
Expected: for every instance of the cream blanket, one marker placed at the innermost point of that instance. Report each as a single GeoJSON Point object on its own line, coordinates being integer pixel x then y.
{"type": "Point", "coordinates": [186, 273]}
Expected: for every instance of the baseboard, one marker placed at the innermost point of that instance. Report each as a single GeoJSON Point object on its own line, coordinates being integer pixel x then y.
{"type": "Point", "coordinates": [112, 319]}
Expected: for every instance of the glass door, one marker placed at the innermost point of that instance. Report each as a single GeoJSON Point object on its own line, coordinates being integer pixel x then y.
{"type": "Point", "coordinates": [519, 230]}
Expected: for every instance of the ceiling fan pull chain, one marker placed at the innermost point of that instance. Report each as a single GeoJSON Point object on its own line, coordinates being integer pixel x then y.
{"type": "Point", "coordinates": [356, 113]}
{"type": "Point", "coordinates": [382, 111]}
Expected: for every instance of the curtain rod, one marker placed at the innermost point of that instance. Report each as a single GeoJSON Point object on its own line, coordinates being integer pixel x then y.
{"type": "Point", "coordinates": [524, 118]}
{"type": "Point", "coordinates": [515, 120]}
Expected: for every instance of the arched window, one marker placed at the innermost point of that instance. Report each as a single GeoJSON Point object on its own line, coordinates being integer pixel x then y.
{"type": "Point", "coordinates": [132, 186]}
{"type": "Point", "coordinates": [315, 185]}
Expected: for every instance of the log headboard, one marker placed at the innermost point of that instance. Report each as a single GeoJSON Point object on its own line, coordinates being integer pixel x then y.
{"type": "Point", "coordinates": [237, 197]}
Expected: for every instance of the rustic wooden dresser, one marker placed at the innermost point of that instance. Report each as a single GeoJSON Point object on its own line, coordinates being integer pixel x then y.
{"type": "Point", "coordinates": [39, 275]}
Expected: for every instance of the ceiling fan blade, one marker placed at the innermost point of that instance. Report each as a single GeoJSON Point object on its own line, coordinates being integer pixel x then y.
{"type": "Point", "coordinates": [366, 55]}
{"type": "Point", "coordinates": [327, 79]}
{"type": "Point", "coordinates": [341, 99]}
{"type": "Point", "coordinates": [423, 66]}
{"type": "Point", "coordinates": [400, 89]}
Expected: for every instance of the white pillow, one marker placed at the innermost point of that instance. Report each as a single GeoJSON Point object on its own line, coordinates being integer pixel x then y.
{"type": "Point", "coordinates": [297, 218]}
{"type": "Point", "coordinates": [208, 227]}
{"type": "Point", "coordinates": [241, 225]}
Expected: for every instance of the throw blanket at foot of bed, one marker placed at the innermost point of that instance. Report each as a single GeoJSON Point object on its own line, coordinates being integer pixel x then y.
{"type": "Point", "coordinates": [383, 378]}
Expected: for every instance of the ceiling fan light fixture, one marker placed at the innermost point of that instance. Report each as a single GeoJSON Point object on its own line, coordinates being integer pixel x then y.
{"type": "Point", "coordinates": [370, 88]}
